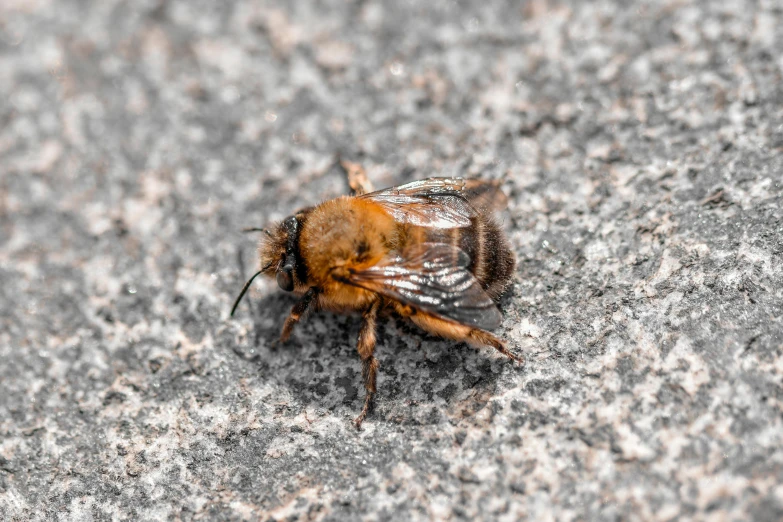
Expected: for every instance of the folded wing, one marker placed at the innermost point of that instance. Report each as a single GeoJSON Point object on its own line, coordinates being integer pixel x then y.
{"type": "Point", "coordinates": [439, 202]}
{"type": "Point", "coordinates": [432, 277]}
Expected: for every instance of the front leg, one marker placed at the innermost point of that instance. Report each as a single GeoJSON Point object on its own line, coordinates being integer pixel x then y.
{"type": "Point", "coordinates": [366, 348]}
{"type": "Point", "coordinates": [299, 310]}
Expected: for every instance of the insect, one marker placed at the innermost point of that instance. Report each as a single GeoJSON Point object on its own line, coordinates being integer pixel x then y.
{"type": "Point", "coordinates": [428, 250]}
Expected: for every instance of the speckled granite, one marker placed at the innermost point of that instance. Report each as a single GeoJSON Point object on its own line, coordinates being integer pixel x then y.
{"type": "Point", "coordinates": [641, 145]}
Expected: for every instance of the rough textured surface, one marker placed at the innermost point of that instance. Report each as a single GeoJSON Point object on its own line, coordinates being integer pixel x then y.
{"type": "Point", "coordinates": [642, 148]}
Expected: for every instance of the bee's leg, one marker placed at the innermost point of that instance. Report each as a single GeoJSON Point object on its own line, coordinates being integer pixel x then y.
{"type": "Point", "coordinates": [366, 347]}
{"type": "Point", "coordinates": [299, 310]}
{"type": "Point", "coordinates": [357, 177]}
{"type": "Point", "coordinates": [461, 332]}
{"type": "Point", "coordinates": [485, 338]}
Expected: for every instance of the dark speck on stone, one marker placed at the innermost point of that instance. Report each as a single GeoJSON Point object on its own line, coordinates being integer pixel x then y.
{"type": "Point", "coordinates": [349, 386]}
{"type": "Point", "coordinates": [641, 152]}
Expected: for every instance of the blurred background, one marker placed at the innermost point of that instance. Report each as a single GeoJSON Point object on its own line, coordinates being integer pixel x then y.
{"type": "Point", "coordinates": [640, 144]}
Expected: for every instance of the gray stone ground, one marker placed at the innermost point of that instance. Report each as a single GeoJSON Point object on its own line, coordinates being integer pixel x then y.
{"type": "Point", "coordinates": [641, 145]}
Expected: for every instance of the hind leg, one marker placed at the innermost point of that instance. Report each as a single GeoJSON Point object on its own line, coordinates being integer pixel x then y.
{"type": "Point", "coordinates": [484, 338]}
{"type": "Point", "coordinates": [461, 332]}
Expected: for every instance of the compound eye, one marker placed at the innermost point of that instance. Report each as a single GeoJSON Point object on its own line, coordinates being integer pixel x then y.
{"type": "Point", "coordinates": [285, 278]}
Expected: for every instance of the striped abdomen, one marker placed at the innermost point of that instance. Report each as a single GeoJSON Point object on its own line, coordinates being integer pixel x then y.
{"type": "Point", "coordinates": [491, 259]}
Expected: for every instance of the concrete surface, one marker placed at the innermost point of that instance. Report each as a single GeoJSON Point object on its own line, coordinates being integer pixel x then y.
{"type": "Point", "coordinates": [642, 148]}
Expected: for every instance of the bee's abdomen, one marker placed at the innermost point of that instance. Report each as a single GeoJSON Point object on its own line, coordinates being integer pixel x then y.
{"type": "Point", "coordinates": [491, 259]}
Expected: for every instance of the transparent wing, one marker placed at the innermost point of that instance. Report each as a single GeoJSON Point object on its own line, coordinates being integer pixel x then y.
{"type": "Point", "coordinates": [485, 195]}
{"type": "Point", "coordinates": [439, 202]}
{"type": "Point", "coordinates": [434, 278]}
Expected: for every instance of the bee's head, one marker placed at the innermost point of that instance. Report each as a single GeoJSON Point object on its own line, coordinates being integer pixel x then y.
{"type": "Point", "coordinates": [279, 252]}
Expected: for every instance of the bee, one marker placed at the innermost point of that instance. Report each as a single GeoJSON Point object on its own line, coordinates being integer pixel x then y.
{"type": "Point", "coordinates": [429, 251]}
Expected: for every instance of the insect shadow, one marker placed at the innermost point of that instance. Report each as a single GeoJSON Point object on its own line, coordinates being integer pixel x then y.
{"type": "Point", "coordinates": [425, 378]}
